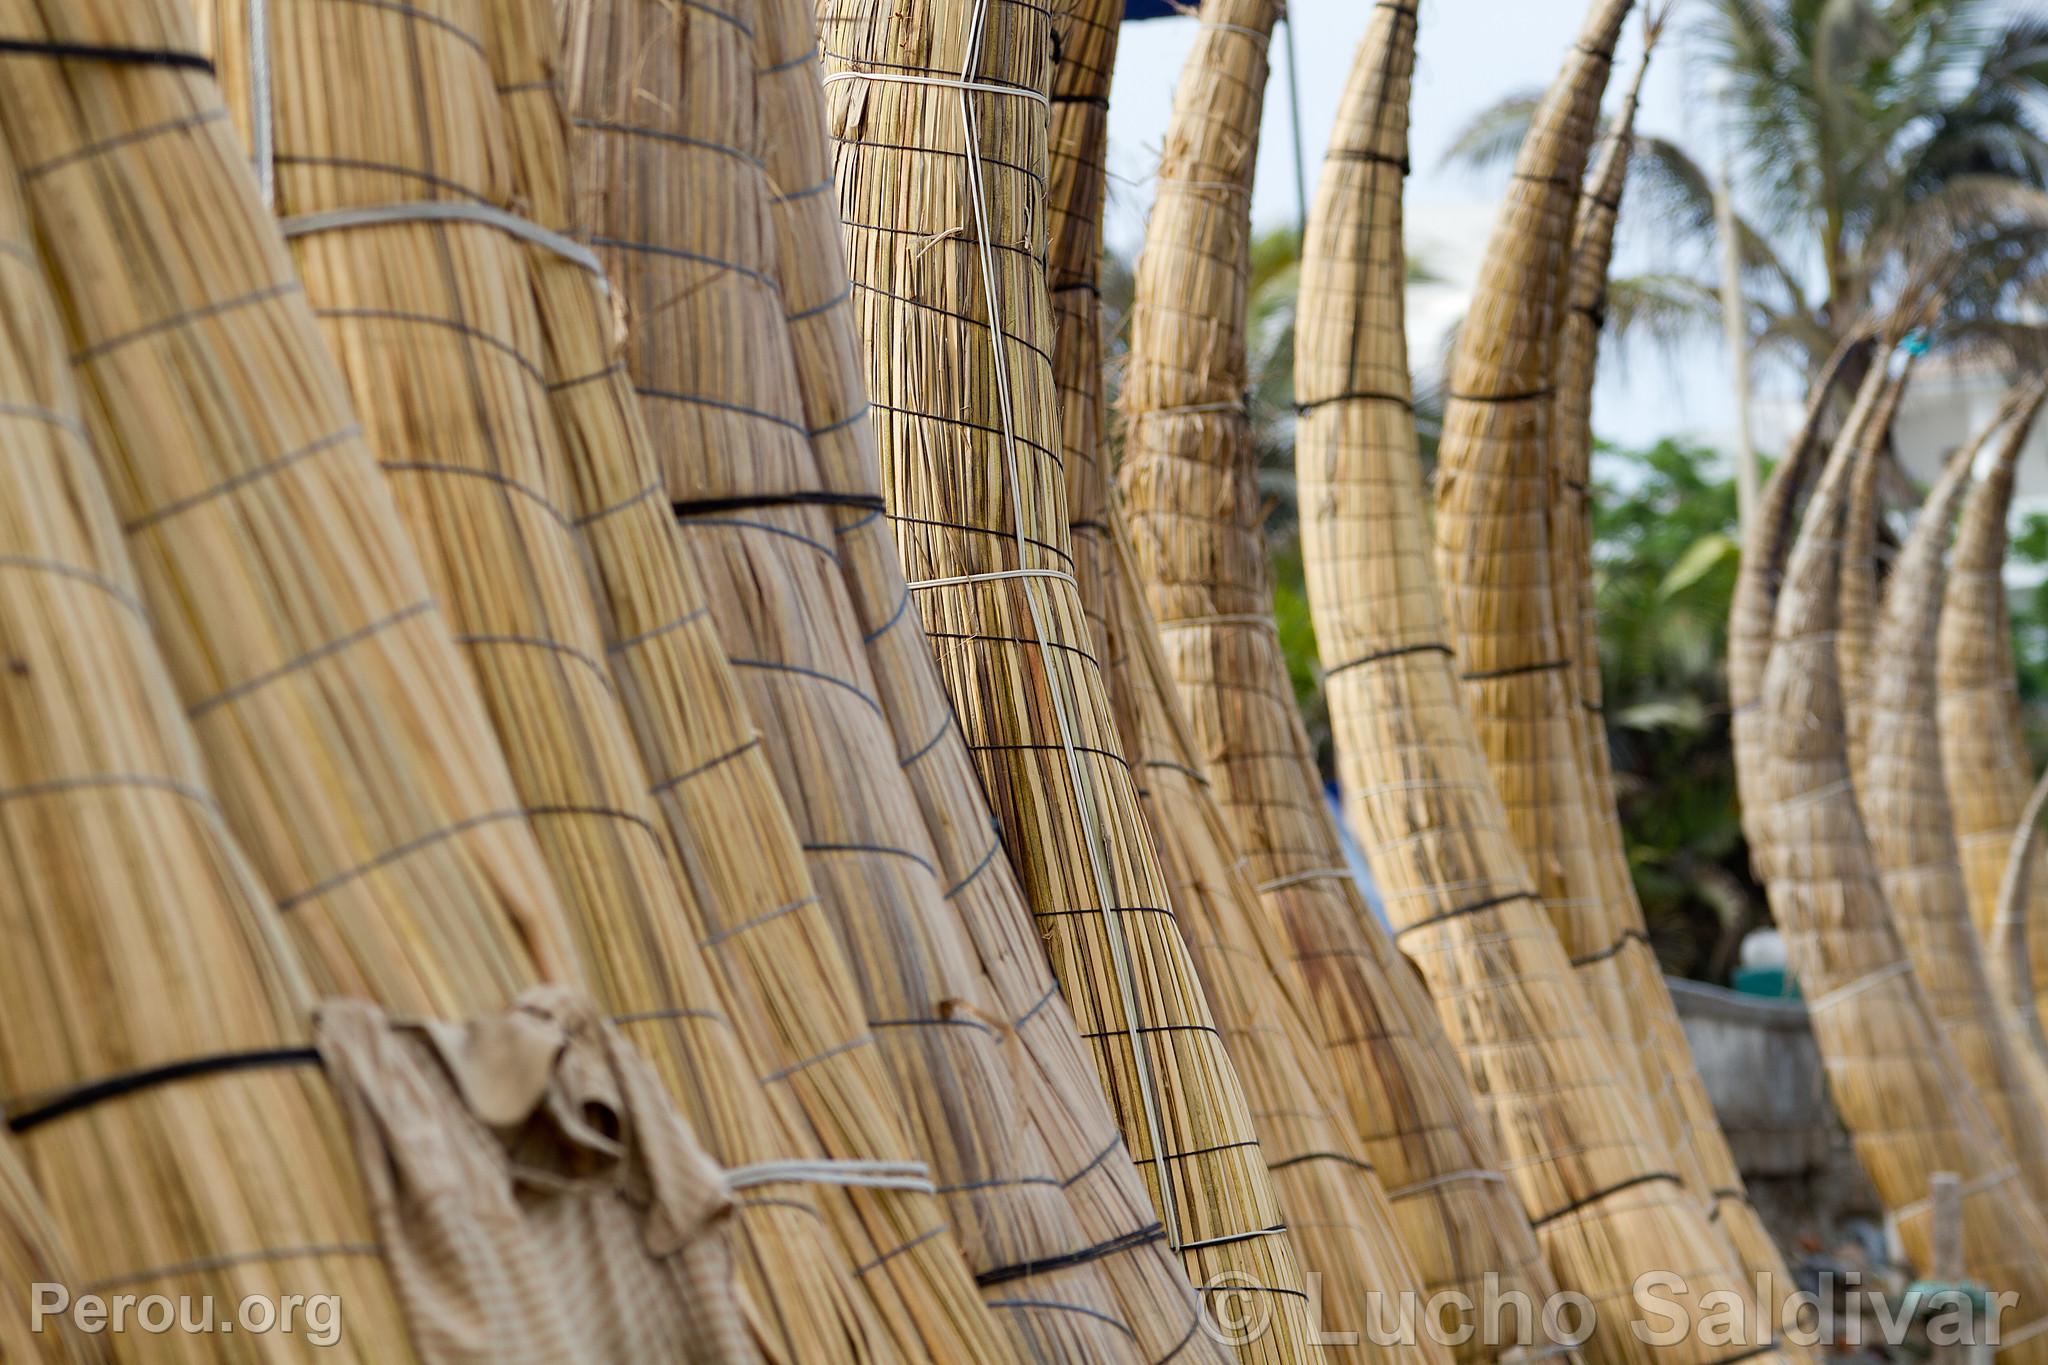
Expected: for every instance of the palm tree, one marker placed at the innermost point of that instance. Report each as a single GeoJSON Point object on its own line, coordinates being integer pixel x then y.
{"type": "Point", "coordinates": [1874, 139]}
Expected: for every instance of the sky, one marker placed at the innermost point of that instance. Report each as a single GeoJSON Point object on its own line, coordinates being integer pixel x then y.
{"type": "Point", "coordinates": [1470, 53]}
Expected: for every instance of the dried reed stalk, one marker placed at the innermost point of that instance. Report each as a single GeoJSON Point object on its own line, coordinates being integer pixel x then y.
{"type": "Point", "coordinates": [1492, 543]}
{"type": "Point", "coordinates": [1685, 1106]}
{"type": "Point", "coordinates": [32, 1253]}
{"type": "Point", "coordinates": [1771, 528]}
{"type": "Point", "coordinates": [2014, 891]}
{"type": "Point", "coordinates": [1375, 1031]}
{"type": "Point", "coordinates": [1983, 750]}
{"type": "Point", "coordinates": [482, 466]}
{"type": "Point", "coordinates": [1579, 1142]}
{"type": "Point", "coordinates": [353, 757]}
{"type": "Point", "coordinates": [1905, 808]}
{"type": "Point", "coordinates": [1078, 186]}
{"type": "Point", "coordinates": [1322, 1172]}
{"type": "Point", "coordinates": [1859, 575]}
{"type": "Point", "coordinates": [943, 192]}
{"type": "Point", "coordinates": [1119, 1236]}
{"type": "Point", "coordinates": [1895, 1081]}
{"type": "Point", "coordinates": [675, 121]}
{"type": "Point", "coordinates": [138, 942]}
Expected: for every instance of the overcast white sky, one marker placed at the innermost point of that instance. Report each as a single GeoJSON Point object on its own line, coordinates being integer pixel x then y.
{"type": "Point", "coordinates": [1471, 52]}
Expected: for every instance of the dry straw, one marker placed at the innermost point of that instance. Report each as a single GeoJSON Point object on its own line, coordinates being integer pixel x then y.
{"type": "Point", "coordinates": [352, 755]}
{"type": "Point", "coordinates": [1579, 1143]}
{"type": "Point", "coordinates": [1493, 498]}
{"type": "Point", "coordinates": [1077, 190]}
{"type": "Point", "coordinates": [1375, 1031]}
{"type": "Point", "coordinates": [1895, 1081]}
{"type": "Point", "coordinates": [814, 608]}
{"type": "Point", "coordinates": [1685, 1107]}
{"type": "Point", "coordinates": [1120, 1237]}
{"type": "Point", "coordinates": [1322, 1173]}
{"type": "Point", "coordinates": [1772, 525]}
{"type": "Point", "coordinates": [1905, 808]}
{"type": "Point", "coordinates": [154, 1069]}
{"type": "Point", "coordinates": [1859, 573]}
{"type": "Point", "coordinates": [702, 184]}
{"type": "Point", "coordinates": [2013, 892]}
{"type": "Point", "coordinates": [32, 1253]}
{"type": "Point", "coordinates": [1984, 753]}
{"type": "Point", "coordinates": [480, 464]}
{"type": "Point", "coordinates": [941, 120]}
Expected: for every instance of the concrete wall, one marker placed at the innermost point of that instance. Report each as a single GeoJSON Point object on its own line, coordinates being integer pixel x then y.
{"type": "Point", "coordinates": [1763, 1071]}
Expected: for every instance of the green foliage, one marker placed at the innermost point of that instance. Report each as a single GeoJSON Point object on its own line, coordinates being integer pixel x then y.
{"type": "Point", "coordinates": [1665, 562]}
{"type": "Point", "coordinates": [2030, 627]}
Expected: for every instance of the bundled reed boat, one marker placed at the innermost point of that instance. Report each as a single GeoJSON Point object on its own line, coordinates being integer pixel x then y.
{"type": "Point", "coordinates": [1189, 485]}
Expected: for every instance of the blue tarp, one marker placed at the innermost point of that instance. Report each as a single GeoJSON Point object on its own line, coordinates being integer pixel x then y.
{"type": "Point", "coordinates": [1151, 9]}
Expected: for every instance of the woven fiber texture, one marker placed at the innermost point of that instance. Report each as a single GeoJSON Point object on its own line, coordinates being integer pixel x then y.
{"type": "Point", "coordinates": [353, 757]}
{"type": "Point", "coordinates": [1894, 1079]}
{"type": "Point", "coordinates": [1578, 1142]}
{"type": "Point", "coordinates": [1328, 1188]}
{"type": "Point", "coordinates": [756, 506]}
{"type": "Point", "coordinates": [1203, 561]}
{"type": "Point", "coordinates": [481, 460]}
{"type": "Point", "coordinates": [1983, 752]}
{"type": "Point", "coordinates": [140, 944]}
{"type": "Point", "coordinates": [1492, 542]}
{"type": "Point", "coordinates": [1116, 1236]}
{"type": "Point", "coordinates": [1773, 523]}
{"type": "Point", "coordinates": [943, 194]}
{"type": "Point", "coordinates": [1859, 574]}
{"type": "Point", "coordinates": [1683, 1104]}
{"type": "Point", "coordinates": [1905, 807]}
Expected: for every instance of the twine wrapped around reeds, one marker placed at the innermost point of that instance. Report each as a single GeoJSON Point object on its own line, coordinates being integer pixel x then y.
{"type": "Point", "coordinates": [1686, 1108]}
{"type": "Point", "coordinates": [1579, 1143]}
{"type": "Point", "coordinates": [1906, 810]}
{"type": "Point", "coordinates": [1492, 541]}
{"type": "Point", "coordinates": [154, 1071]}
{"type": "Point", "coordinates": [1120, 1237]}
{"type": "Point", "coordinates": [1373, 1028]}
{"type": "Point", "coordinates": [352, 755]}
{"type": "Point", "coordinates": [1077, 191]}
{"type": "Point", "coordinates": [478, 460]}
{"type": "Point", "coordinates": [1895, 1081]}
{"type": "Point", "coordinates": [1326, 1183]}
{"type": "Point", "coordinates": [1772, 525]}
{"type": "Point", "coordinates": [940, 116]}
{"type": "Point", "coordinates": [1983, 750]}
{"type": "Point", "coordinates": [674, 121]}
{"type": "Point", "coordinates": [1859, 572]}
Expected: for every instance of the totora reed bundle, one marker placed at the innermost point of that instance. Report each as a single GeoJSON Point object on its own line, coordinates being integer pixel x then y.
{"type": "Point", "coordinates": [1204, 559]}
{"type": "Point", "coordinates": [1772, 526]}
{"type": "Point", "coordinates": [1983, 751]}
{"type": "Point", "coordinates": [1325, 1181]}
{"type": "Point", "coordinates": [451, 350]}
{"type": "Point", "coordinates": [857, 697]}
{"type": "Point", "coordinates": [940, 117]}
{"type": "Point", "coordinates": [1859, 573]}
{"type": "Point", "coordinates": [1492, 510]}
{"type": "Point", "coordinates": [1689, 1112]}
{"type": "Point", "coordinates": [352, 755]}
{"type": "Point", "coordinates": [1120, 1238]}
{"type": "Point", "coordinates": [1905, 807]}
{"type": "Point", "coordinates": [1579, 1144]}
{"type": "Point", "coordinates": [154, 1068]}
{"type": "Point", "coordinates": [1894, 1079]}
